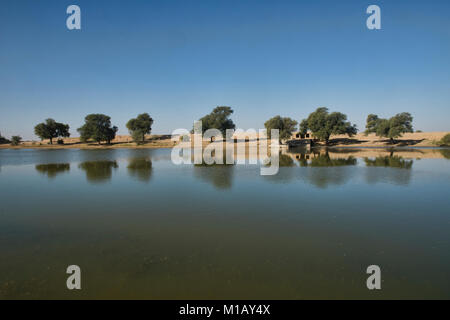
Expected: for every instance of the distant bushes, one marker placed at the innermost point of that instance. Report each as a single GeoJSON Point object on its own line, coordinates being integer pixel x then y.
{"type": "Point", "coordinates": [3, 140]}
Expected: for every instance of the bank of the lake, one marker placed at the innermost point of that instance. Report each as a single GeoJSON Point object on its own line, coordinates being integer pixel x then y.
{"type": "Point", "coordinates": [416, 139]}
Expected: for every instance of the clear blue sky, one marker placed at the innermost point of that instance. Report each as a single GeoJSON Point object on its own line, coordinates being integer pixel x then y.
{"type": "Point", "coordinates": [177, 60]}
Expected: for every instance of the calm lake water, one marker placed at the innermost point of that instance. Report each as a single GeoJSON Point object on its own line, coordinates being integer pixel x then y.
{"type": "Point", "coordinates": [142, 227]}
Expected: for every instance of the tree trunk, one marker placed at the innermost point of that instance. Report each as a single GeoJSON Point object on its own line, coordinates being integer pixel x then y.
{"type": "Point", "coordinates": [51, 142]}
{"type": "Point", "coordinates": [392, 140]}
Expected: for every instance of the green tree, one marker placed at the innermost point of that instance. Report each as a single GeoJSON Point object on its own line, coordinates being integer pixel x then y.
{"type": "Point", "coordinates": [51, 129]}
{"type": "Point", "coordinates": [15, 140]}
{"type": "Point", "coordinates": [218, 119]}
{"type": "Point", "coordinates": [285, 126]}
{"type": "Point", "coordinates": [445, 141]}
{"type": "Point", "coordinates": [391, 128]}
{"type": "Point", "coordinates": [98, 128]}
{"type": "Point", "coordinates": [140, 126]}
{"type": "Point", "coordinates": [303, 126]}
{"type": "Point", "coordinates": [323, 124]}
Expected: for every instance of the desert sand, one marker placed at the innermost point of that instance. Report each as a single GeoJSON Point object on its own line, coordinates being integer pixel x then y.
{"type": "Point", "coordinates": [417, 139]}
{"type": "Point", "coordinates": [121, 141]}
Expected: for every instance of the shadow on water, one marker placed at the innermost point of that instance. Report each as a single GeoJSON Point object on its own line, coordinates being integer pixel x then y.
{"type": "Point", "coordinates": [98, 171]}
{"type": "Point", "coordinates": [140, 168]}
{"type": "Point", "coordinates": [52, 169]}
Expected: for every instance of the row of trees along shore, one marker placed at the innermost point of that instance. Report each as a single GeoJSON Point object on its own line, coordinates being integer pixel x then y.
{"type": "Point", "coordinates": [321, 123]}
{"type": "Point", "coordinates": [97, 127]}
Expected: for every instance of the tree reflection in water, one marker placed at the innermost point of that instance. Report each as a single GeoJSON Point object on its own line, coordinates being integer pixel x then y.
{"type": "Point", "coordinates": [98, 171]}
{"type": "Point", "coordinates": [325, 171]}
{"type": "Point", "coordinates": [319, 177]}
{"type": "Point", "coordinates": [52, 169]}
{"type": "Point", "coordinates": [285, 161]}
{"type": "Point", "coordinates": [389, 161]}
{"type": "Point", "coordinates": [400, 177]}
{"type": "Point", "coordinates": [220, 175]}
{"type": "Point", "coordinates": [140, 168]}
{"type": "Point", "coordinates": [324, 160]}
{"type": "Point", "coordinates": [445, 153]}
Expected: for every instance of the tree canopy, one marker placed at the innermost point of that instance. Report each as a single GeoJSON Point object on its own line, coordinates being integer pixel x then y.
{"type": "Point", "coordinates": [140, 126]}
{"type": "Point", "coordinates": [390, 128]}
{"type": "Point", "coordinates": [51, 129]}
{"type": "Point", "coordinates": [285, 125]}
{"type": "Point", "coordinates": [445, 141]}
{"type": "Point", "coordinates": [15, 140]}
{"type": "Point", "coordinates": [323, 124]}
{"type": "Point", "coordinates": [218, 119]}
{"type": "Point", "coordinates": [98, 128]}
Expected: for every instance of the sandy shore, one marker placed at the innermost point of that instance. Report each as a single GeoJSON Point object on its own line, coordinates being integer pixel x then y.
{"type": "Point", "coordinates": [121, 141]}
{"type": "Point", "coordinates": [417, 139]}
